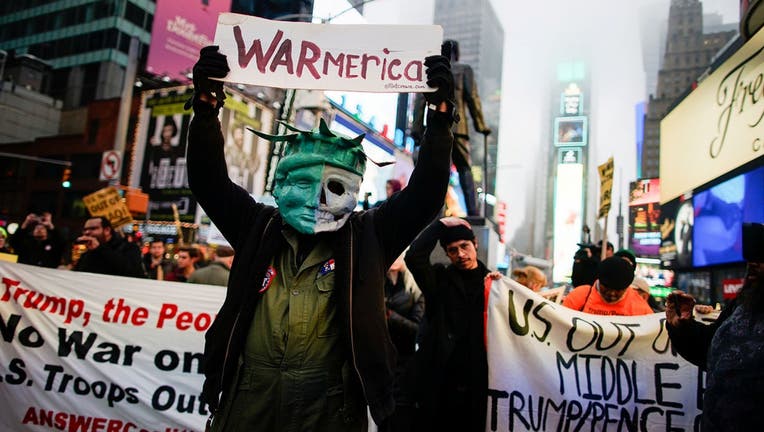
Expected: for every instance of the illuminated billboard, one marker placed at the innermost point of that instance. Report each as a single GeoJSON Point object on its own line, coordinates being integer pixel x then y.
{"type": "Point", "coordinates": [568, 218]}
{"type": "Point", "coordinates": [570, 131]}
{"type": "Point", "coordinates": [720, 212]}
{"type": "Point", "coordinates": [180, 30]}
{"type": "Point", "coordinates": [644, 218]}
{"type": "Point", "coordinates": [677, 219]}
{"type": "Point", "coordinates": [717, 127]}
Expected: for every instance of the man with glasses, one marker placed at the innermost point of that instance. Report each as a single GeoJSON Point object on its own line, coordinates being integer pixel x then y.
{"type": "Point", "coordinates": [452, 367]}
{"type": "Point", "coordinates": [610, 293]}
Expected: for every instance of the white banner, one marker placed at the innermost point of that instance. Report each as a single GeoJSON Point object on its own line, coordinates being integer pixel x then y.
{"type": "Point", "coordinates": [555, 369]}
{"type": "Point", "coordinates": [87, 352]}
{"type": "Point", "coordinates": [369, 58]}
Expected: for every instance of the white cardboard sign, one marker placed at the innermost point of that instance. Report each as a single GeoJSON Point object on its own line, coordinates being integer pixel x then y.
{"type": "Point", "coordinates": [352, 57]}
{"type": "Point", "coordinates": [556, 369]}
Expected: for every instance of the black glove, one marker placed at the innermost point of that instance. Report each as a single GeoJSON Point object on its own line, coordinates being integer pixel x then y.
{"type": "Point", "coordinates": [486, 131]}
{"type": "Point", "coordinates": [211, 64]}
{"type": "Point", "coordinates": [439, 75]}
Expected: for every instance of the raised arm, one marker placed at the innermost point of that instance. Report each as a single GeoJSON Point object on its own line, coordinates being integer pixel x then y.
{"type": "Point", "coordinates": [418, 259]}
{"type": "Point", "coordinates": [404, 214]}
{"type": "Point", "coordinates": [228, 205]}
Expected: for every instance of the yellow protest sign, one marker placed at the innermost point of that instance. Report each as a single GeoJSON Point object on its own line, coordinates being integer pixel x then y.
{"type": "Point", "coordinates": [606, 186]}
{"type": "Point", "coordinates": [107, 202]}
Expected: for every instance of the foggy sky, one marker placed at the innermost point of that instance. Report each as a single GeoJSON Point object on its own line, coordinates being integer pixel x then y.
{"type": "Point", "coordinates": [538, 35]}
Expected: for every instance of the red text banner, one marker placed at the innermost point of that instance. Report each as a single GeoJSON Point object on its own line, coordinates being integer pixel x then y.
{"type": "Point", "coordinates": [82, 351]}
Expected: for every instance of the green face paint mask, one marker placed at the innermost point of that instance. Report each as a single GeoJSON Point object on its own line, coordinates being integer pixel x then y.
{"type": "Point", "coordinates": [317, 198]}
{"type": "Point", "coordinates": [318, 178]}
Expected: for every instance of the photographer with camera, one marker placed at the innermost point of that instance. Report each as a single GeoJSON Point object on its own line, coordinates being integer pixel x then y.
{"type": "Point", "coordinates": [37, 242]}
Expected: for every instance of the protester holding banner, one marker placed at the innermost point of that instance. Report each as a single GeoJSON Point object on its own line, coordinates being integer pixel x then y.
{"type": "Point", "coordinates": [610, 294]}
{"type": "Point", "coordinates": [451, 364]}
{"type": "Point", "coordinates": [107, 251]}
{"type": "Point", "coordinates": [37, 242]}
{"type": "Point", "coordinates": [730, 350]}
{"type": "Point", "coordinates": [309, 346]}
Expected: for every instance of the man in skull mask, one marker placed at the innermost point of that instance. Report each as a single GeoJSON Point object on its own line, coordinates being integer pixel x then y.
{"type": "Point", "coordinates": [301, 340]}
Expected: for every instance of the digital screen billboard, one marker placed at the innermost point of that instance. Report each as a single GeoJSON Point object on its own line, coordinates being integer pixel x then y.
{"type": "Point", "coordinates": [677, 218]}
{"type": "Point", "coordinates": [568, 218]}
{"type": "Point", "coordinates": [570, 131]}
{"type": "Point", "coordinates": [719, 215]}
{"type": "Point", "coordinates": [644, 218]}
{"type": "Point", "coordinates": [180, 30]}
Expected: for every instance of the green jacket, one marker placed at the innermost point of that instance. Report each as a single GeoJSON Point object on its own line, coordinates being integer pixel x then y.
{"type": "Point", "coordinates": [216, 273]}
{"type": "Point", "coordinates": [364, 248]}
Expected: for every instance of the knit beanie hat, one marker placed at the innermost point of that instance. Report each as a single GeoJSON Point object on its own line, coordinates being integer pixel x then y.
{"type": "Point", "coordinates": [455, 233]}
{"type": "Point", "coordinates": [615, 273]}
{"type": "Point", "coordinates": [628, 254]}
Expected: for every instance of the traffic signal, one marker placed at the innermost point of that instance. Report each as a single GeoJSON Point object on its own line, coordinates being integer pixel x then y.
{"type": "Point", "coordinates": [65, 178]}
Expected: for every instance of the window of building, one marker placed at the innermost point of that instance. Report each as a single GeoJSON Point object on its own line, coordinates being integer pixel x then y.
{"type": "Point", "coordinates": [135, 15]}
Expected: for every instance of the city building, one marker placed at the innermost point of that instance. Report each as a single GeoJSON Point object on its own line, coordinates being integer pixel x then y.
{"type": "Point", "coordinates": [712, 172]}
{"type": "Point", "coordinates": [688, 52]}
{"type": "Point", "coordinates": [86, 43]}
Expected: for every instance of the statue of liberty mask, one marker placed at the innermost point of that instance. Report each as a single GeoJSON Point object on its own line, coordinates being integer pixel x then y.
{"type": "Point", "coordinates": [318, 178]}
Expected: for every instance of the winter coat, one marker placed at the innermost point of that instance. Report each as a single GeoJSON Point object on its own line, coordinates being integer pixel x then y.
{"type": "Point", "coordinates": [364, 249]}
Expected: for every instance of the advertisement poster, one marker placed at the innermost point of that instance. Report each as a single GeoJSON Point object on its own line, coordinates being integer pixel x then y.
{"type": "Point", "coordinates": [89, 352]}
{"type": "Point", "coordinates": [246, 154]}
{"type": "Point", "coordinates": [644, 218]}
{"type": "Point", "coordinates": [163, 174]}
{"type": "Point", "coordinates": [181, 29]}
{"type": "Point", "coordinates": [677, 219]}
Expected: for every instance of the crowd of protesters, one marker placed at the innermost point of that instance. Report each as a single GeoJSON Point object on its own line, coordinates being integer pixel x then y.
{"type": "Point", "coordinates": [394, 331]}
{"type": "Point", "coordinates": [103, 249]}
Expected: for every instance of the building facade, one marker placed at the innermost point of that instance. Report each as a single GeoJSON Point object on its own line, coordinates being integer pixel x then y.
{"type": "Point", "coordinates": [689, 51]}
{"type": "Point", "coordinates": [86, 42]}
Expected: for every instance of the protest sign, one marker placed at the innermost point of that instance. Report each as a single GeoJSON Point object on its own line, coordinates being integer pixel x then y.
{"type": "Point", "coordinates": [368, 58]}
{"type": "Point", "coordinates": [606, 187]}
{"type": "Point", "coordinates": [83, 351]}
{"type": "Point", "coordinates": [555, 369]}
{"type": "Point", "coordinates": [107, 202]}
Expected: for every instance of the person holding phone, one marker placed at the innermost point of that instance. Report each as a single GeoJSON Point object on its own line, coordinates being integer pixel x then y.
{"type": "Point", "coordinates": [37, 242]}
{"type": "Point", "coordinates": [730, 350]}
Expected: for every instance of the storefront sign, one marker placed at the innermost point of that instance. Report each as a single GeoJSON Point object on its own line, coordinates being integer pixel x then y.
{"type": "Point", "coordinates": [731, 287]}
{"type": "Point", "coordinates": [718, 127]}
{"type": "Point", "coordinates": [372, 58]}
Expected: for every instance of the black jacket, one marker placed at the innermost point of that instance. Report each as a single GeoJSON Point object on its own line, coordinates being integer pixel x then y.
{"type": "Point", "coordinates": [46, 253]}
{"type": "Point", "coordinates": [364, 248]}
{"type": "Point", "coordinates": [452, 351]}
{"type": "Point", "coordinates": [117, 257]}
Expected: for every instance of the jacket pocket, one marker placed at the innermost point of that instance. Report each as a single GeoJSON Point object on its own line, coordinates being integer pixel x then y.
{"type": "Point", "coordinates": [326, 307]}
